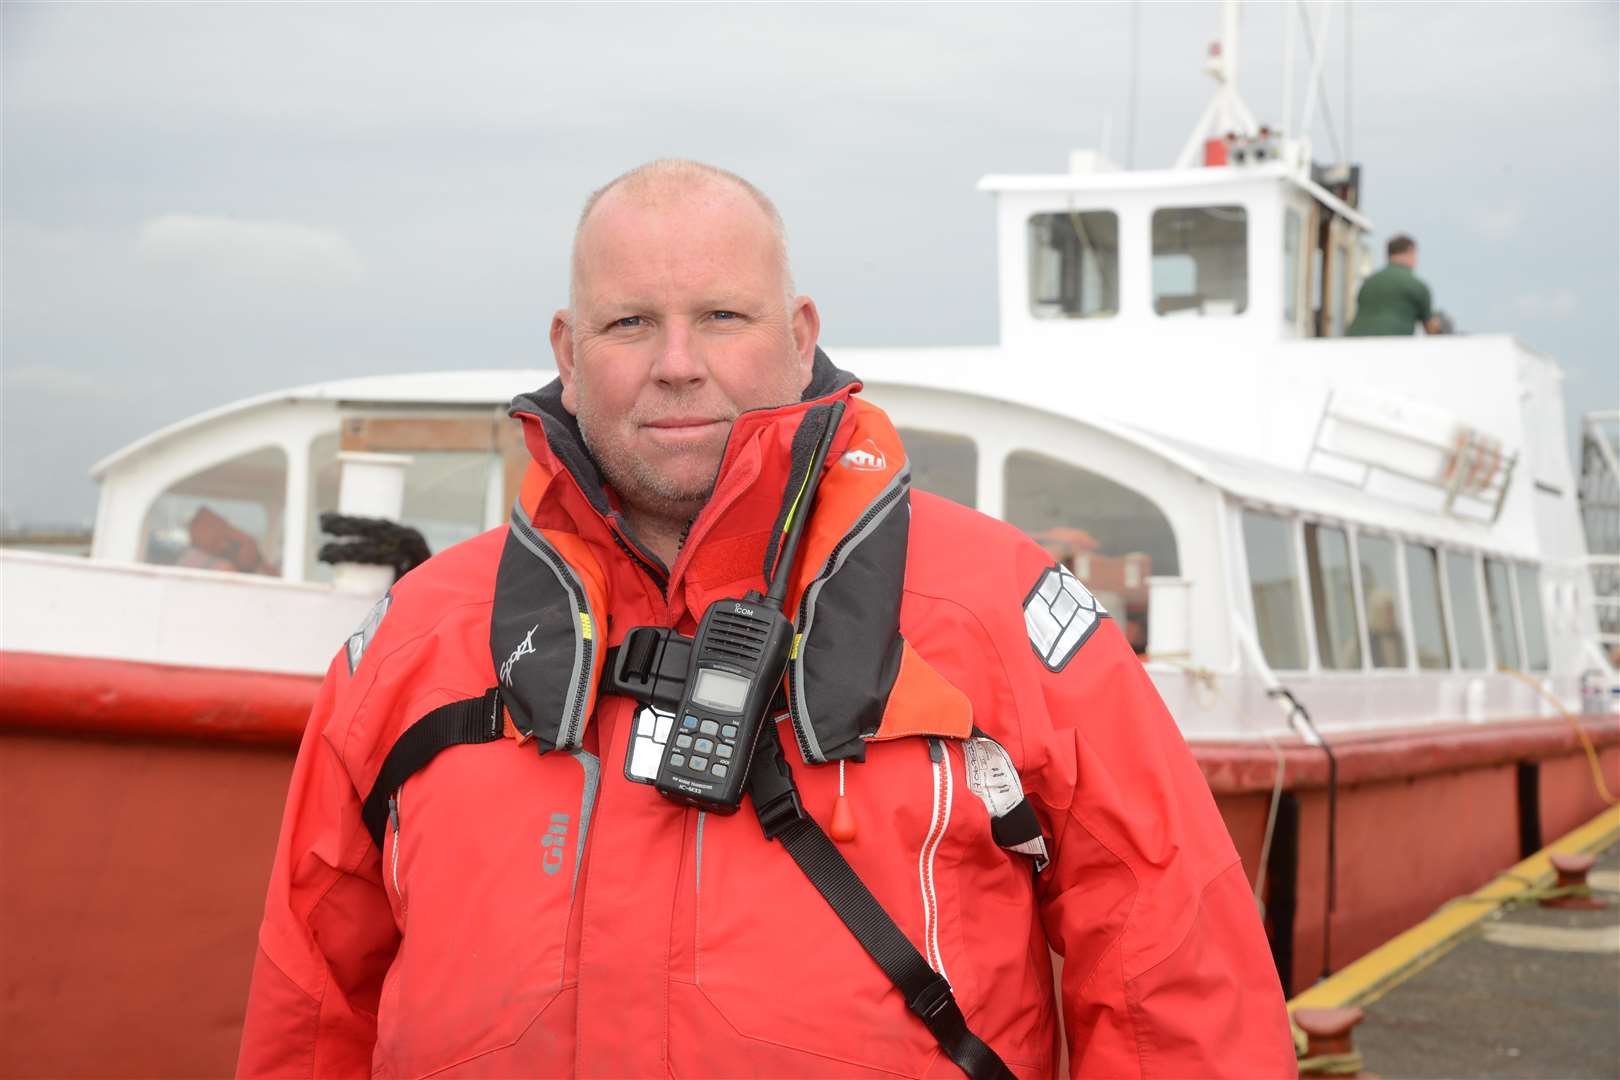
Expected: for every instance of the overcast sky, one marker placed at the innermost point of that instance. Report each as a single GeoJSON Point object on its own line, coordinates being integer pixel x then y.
{"type": "Point", "coordinates": [205, 202]}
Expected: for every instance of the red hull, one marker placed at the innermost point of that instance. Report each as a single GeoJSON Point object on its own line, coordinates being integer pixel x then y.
{"type": "Point", "coordinates": [141, 805]}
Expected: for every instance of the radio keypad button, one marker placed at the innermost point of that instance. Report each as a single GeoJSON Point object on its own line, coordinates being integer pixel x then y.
{"type": "Point", "coordinates": [709, 727]}
{"type": "Point", "coordinates": [699, 764]}
{"type": "Point", "coordinates": [689, 723]}
{"type": "Point", "coordinates": [683, 741]}
{"type": "Point", "coordinates": [729, 731]}
{"type": "Point", "coordinates": [704, 746]}
{"type": "Point", "coordinates": [720, 771]}
{"type": "Point", "coordinates": [676, 760]}
{"type": "Point", "coordinates": [723, 750]}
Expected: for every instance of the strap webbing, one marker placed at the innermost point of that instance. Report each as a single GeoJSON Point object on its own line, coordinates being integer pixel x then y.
{"type": "Point", "coordinates": [471, 720]}
{"type": "Point", "coordinates": [926, 992]}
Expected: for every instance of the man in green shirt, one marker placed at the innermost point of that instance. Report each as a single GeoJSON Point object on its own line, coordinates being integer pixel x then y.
{"type": "Point", "coordinates": [1394, 300]}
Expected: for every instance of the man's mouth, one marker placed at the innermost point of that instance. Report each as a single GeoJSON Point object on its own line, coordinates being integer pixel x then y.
{"type": "Point", "coordinates": [684, 425]}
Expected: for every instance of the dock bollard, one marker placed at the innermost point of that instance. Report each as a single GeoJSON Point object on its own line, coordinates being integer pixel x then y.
{"type": "Point", "coordinates": [1328, 1047]}
{"type": "Point", "coordinates": [1572, 890]}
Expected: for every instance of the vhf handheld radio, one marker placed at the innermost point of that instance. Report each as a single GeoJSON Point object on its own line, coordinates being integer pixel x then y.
{"type": "Point", "coordinates": [720, 684]}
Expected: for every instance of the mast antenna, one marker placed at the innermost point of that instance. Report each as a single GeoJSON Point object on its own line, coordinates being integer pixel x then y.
{"type": "Point", "coordinates": [1227, 113]}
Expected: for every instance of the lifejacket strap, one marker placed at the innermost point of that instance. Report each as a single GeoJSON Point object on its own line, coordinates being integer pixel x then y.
{"type": "Point", "coordinates": [469, 721]}
{"type": "Point", "coordinates": [927, 993]}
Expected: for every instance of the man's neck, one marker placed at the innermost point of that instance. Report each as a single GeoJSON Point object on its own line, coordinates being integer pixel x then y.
{"type": "Point", "coordinates": [660, 535]}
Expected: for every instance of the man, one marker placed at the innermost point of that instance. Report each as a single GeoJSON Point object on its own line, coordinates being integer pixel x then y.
{"type": "Point", "coordinates": [475, 877]}
{"type": "Point", "coordinates": [1394, 301]}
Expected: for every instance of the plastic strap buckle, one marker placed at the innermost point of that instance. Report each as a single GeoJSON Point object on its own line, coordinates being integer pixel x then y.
{"type": "Point", "coordinates": [771, 786]}
{"type": "Point", "coordinates": [936, 1006]}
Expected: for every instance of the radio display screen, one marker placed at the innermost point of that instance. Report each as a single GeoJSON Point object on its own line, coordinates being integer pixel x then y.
{"type": "Point", "coordinates": [720, 690]}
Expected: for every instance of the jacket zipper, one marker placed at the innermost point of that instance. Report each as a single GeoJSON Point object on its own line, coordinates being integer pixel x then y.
{"type": "Point", "coordinates": [937, 825]}
{"type": "Point", "coordinates": [568, 736]}
{"type": "Point", "coordinates": [804, 607]}
{"type": "Point", "coordinates": [632, 549]}
{"type": "Point", "coordinates": [393, 823]}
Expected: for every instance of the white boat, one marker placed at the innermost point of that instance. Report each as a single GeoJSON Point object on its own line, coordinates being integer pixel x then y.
{"type": "Point", "coordinates": [1356, 568]}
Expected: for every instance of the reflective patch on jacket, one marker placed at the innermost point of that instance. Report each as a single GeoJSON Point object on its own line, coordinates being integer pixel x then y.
{"type": "Point", "coordinates": [367, 630]}
{"type": "Point", "coordinates": [1060, 614]}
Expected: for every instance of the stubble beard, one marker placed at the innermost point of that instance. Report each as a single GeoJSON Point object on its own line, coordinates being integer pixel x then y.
{"type": "Point", "coordinates": [638, 481]}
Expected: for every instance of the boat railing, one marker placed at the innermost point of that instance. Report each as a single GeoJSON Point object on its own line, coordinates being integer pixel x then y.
{"type": "Point", "coordinates": [1605, 570]}
{"type": "Point", "coordinates": [1414, 443]}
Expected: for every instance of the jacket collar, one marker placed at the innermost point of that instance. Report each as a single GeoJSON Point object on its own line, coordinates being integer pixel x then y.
{"type": "Point", "coordinates": [558, 449]}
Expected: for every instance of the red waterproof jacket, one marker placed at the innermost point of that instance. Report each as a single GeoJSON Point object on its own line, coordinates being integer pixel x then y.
{"type": "Point", "coordinates": [536, 909]}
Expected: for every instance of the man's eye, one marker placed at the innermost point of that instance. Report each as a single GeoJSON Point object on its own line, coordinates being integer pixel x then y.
{"type": "Point", "coordinates": [726, 315]}
{"type": "Point", "coordinates": [629, 322]}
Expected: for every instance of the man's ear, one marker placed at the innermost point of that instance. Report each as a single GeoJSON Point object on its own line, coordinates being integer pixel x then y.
{"type": "Point", "coordinates": [562, 347]}
{"type": "Point", "coordinates": [806, 322]}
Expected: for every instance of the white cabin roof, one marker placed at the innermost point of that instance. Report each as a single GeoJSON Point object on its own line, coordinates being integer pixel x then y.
{"type": "Point", "coordinates": [493, 386]}
{"type": "Point", "coordinates": [1172, 179]}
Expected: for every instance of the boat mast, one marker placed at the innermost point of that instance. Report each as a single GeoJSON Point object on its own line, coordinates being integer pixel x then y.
{"type": "Point", "coordinates": [1227, 113]}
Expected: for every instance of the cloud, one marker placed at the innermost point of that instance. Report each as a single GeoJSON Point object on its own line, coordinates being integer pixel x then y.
{"type": "Point", "coordinates": [1554, 305]}
{"type": "Point", "coordinates": [274, 251]}
{"type": "Point", "coordinates": [57, 382]}
{"type": "Point", "coordinates": [1500, 222]}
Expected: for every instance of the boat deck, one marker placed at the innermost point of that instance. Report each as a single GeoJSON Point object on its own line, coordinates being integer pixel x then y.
{"type": "Point", "coordinates": [1495, 984]}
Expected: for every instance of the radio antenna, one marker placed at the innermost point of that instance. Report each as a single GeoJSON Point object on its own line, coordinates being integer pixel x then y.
{"type": "Point", "coordinates": [799, 512]}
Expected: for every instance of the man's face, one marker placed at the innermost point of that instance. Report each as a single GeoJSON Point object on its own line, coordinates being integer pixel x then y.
{"type": "Point", "coordinates": [680, 322]}
{"type": "Point", "coordinates": [1407, 258]}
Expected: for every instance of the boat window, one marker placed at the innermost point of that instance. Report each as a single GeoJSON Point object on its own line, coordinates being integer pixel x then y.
{"type": "Point", "coordinates": [1274, 585]}
{"type": "Point", "coordinates": [1292, 227]}
{"type": "Point", "coordinates": [1112, 537]}
{"type": "Point", "coordinates": [943, 464]}
{"type": "Point", "coordinates": [1074, 265]}
{"type": "Point", "coordinates": [227, 517]}
{"type": "Point", "coordinates": [444, 496]}
{"type": "Point", "coordinates": [1200, 260]}
{"type": "Point", "coordinates": [1467, 620]}
{"type": "Point", "coordinates": [1535, 628]}
{"type": "Point", "coordinates": [1504, 628]}
{"type": "Point", "coordinates": [1338, 631]}
{"type": "Point", "coordinates": [1381, 600]}
{"type": "Point", "coordinates": [1428, 620]}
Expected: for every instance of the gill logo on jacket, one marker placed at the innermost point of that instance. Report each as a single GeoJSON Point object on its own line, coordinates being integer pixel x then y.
{"type": "Point", "coordinates": [1060, 614]}
{"type": "Point", "coordinates": [554, 841]}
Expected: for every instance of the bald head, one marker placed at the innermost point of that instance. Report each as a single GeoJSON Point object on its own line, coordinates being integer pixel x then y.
{"type": "Point", "coordinates": [681, 317]}
{"type": "Point", "coordinates": [667, 184]}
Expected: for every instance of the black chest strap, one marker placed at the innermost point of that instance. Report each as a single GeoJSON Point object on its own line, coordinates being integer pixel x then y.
{"type": "Point", "coordinates": [471, 720]}
{"type": "Point", "coordinates": [927, 993]}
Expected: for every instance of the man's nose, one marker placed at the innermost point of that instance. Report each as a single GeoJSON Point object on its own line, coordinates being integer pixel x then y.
{"type": "Point", "coordinates": [679, 361]}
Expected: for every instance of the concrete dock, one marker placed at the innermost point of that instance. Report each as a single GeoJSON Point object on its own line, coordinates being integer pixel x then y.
{"type": "Point", "coordinates": [1494, 984]}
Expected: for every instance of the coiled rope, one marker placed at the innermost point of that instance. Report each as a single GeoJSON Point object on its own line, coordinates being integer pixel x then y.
{"type": "Point", "coordinates": [373, 542]}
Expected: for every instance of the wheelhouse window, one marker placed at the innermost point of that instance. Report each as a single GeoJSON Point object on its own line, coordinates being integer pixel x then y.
{"type": "Point", "coordinates": [1268, 541]}
{"type": "Point", "coordinates": [1428, 611]}
{"type": "Point", "coordinates": [1201, 260]}
{"type": "Point", "coordinates": [1074, 265]}
{"type": "Point", "coordinates": [943, 464]}
{"type": "Point", "coordinates": [1467, 618]}
{"type": "Point", "coordinates": [444, 497]}
{"type": "Point", "coordinates": [227, 517]}
{"type": "Point", "coordinates": [1535, 627]}
{"type": "Point", "coordinates": [1333, 600]}
{"type": "Point", "coordinates": [1504, 627]}
{"type": "Point", "coordinates": [1112, 537]}
{"type": "Point", "coordinates": [1381, 600]}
